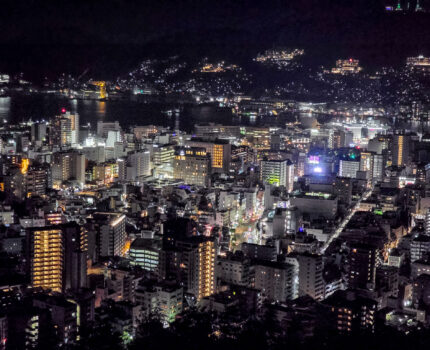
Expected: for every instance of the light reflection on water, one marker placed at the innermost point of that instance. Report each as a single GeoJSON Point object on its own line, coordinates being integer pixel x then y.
{"type": "Point", "coordinates": [36, 107]}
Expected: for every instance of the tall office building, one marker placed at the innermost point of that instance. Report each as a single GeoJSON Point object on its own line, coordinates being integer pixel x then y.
{"type": "Point", "coordinates": [278, 172]}
{"type": "Point", "coordinates": [57, 257]}
{"type": "Point", "coordinates": [400, 149]}
{"type": "Point", "coordinates": [192, 165]}
{"type": "Point", "coordinates": [219, 151]}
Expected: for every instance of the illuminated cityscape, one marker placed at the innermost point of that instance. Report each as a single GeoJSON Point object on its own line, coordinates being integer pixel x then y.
{"type": "Point", "coordinates": [209, 175]}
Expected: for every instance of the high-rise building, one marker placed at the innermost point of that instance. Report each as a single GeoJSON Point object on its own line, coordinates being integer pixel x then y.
{"type": "Point", "coordinates": [163, 154]}
{"type": "Point", "coordinates": [188, 258]}
{"type": "Point", "coordinates": [348, 139]}
{"type": "Point", "coordinates": [378, 167]}
{"type": "Point", "coordinates": [342, 188]}
{"type": "Point", "coordinates": [62, 314]}
{"type": "Point", "coordinates": [350, 313]}
{"type": "Point", "coordinates": [105, 173]}
{"type": "Point", "coordinates": [278, 172]}
{"type": "Point", "coordinates": [68, 166]}
{"type": "Point", "coordinates": [38, 131]}
{"type": "Point", "coordinates": [234, 269]}
{"type": "Point", "coordinates": [192, 165]}
{"type": "Point", "coordinates": [65, 130]}
{"type": "Point", "coordinates": [400, 149]}
{"type": "Point", "coordinates": [284, 222]}
{"type": "Point", "coordinates": [366, 163]}
{"type": "Point", "coordinates": [219, 151]}
{"type": "Point", "coordinates": [363, 262]}
{"type": "Point", "coordinates": [427, 223]}
{"type": "Point", "coordinates": [145, 253]}
{"type": "Point", "coordinates": [162, 297]}
{"type": "Point", "coordinates": [277, 281]}
{"type": "Point", "coordinates": [420, 247]}
{"type": "Point", "coordinates": [140, 163]}
{"type": "Point", "coordinates": [37, 180]}
{"type": "Point", "coordinates": [348, 168]}
{"type": "Point", "coordinates": [311, 275]}
{"type": "Point", "coordinates": [47, 258]}
{"type": "Point", "coordinates": [378, 144]}
{"type": "Point", "coordinates": [103, 128]}
{"type": "Point", "coordinates": [57, 257]}
{"type": "Point", "coordinates": [107, 235]}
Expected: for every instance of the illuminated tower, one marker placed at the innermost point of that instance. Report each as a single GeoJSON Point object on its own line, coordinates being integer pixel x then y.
{"type": "Point", "coordinates": [101, 87]}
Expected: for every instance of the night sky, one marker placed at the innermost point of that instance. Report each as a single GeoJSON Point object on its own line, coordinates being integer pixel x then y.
{"type": "Point", "coordinates": [108, 37]}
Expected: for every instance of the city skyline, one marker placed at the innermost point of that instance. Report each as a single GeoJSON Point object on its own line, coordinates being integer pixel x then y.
{"type": "Point", "coordinates": [200, 174]}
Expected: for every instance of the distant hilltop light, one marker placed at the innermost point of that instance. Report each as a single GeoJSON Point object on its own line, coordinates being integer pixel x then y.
{"type": "Point", "coordinates": [418, 64]}
{"type": "Point", "coordinates": [279, 58]}
{"type": "Point", "coordinates": [349, 66]}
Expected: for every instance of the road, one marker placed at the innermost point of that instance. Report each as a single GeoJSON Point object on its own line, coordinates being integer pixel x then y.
{"type": "Point", "coordinates": [345, 221]}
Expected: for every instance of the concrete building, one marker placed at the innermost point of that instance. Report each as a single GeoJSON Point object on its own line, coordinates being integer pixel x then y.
{"type": "Point", "coordinates": [192, 165]}
{"type": "Point", "coordinates": [278, 173]}
{"type": "Point", "coordinates": [107, 235]}
{"type": "Point", "coordinates": [162, 298]}
{"type": "Point", "coordinates": [57, 257]}
{"type": "Point", "coordinates": [219, 151]}
{"type": "Point", "coordinates": [145, 253]}
{"type": "Point", "coordinates": [277, 281]}
{"type": "Point", "coordinates": [348, 168]}
{"type": "Point", "coordinates": [311, 275]}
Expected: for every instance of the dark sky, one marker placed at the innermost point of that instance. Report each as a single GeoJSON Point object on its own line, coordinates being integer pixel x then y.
{"type": "Point", "coordinates": [48, 37]}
